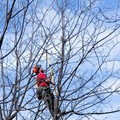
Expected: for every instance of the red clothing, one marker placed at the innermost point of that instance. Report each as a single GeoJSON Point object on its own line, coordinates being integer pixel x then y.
{"type": "Point", "coordinates": [41, 77]}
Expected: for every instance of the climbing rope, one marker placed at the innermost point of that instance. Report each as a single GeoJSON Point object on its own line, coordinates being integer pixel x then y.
{"type": "Point", "coordinates": [51, 72]}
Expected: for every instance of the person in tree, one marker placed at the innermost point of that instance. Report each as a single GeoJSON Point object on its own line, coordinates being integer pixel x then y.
{"type": "Point", "coordinates": [43, 88]}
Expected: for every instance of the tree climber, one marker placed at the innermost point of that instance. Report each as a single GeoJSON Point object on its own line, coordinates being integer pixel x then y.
{"type": "Point", "coordinates": [43, 88]}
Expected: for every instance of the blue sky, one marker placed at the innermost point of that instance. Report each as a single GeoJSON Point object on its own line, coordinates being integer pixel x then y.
{"type": "Point", "coordinates": [111, 3]}
{"type": "Point", "coordinates": [116, 99]}
{"type": "Point", "coordinates": [114, 54]}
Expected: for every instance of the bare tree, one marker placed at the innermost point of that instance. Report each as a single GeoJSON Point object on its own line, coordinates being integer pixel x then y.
{"type": "Point", "coordinates": [12, 9]}
{"type": "Point", "coordinates": [80, 37]}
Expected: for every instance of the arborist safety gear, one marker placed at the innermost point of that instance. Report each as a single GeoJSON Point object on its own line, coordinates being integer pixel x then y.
{"type": "Point", "coordinates": [43, 88]}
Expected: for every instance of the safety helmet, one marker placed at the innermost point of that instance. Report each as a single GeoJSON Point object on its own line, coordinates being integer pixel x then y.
{"type": "Point", "coordinates": [36, 68]}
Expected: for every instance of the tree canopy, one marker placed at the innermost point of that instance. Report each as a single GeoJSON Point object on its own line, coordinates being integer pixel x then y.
{"type": "Point", "coordinates": [81, 38]}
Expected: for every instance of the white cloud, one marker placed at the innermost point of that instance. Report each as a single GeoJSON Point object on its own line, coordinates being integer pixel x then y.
{"type": "Point", "coordinates": [109, 65]}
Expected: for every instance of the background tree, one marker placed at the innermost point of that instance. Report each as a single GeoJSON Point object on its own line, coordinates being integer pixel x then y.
{"type": "Point", "coordinates": [81, 38]}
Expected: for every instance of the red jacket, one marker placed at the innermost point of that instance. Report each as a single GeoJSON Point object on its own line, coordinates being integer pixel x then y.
{"type": "Point", "coordinates": [41, 77]}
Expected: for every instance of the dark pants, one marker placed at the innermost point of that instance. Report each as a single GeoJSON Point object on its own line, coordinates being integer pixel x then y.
{"type": "Point", "coordinates": [44, 93]}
